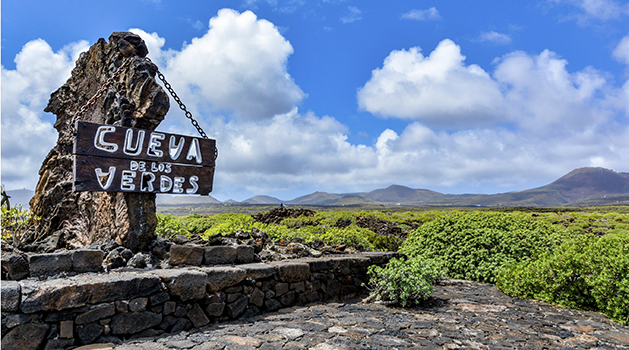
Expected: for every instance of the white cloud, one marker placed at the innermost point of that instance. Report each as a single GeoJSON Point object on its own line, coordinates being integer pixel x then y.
{"type": "Point", "coordinates": [601, 10]}
{"type": "Point", "coordinates": [437, 90]}
{"type": "Point", "coordinates": [352, 16]}
{"type": "Point", "coordinates": [495, 37]}
{"type": "Point", "coordinates": [239, 66]}
{"type": "Point", "coordinates": [535, 92]}
{"type": "Point", "coordinates": [621, 52]}
{"type": "Point", "coordinates": [27, 133]}
{"type": "Point", "coordinates": [422, 15]}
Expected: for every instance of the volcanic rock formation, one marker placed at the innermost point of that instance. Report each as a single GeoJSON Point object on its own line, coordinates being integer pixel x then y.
{"type": "Point", "coordinates": [133, 100]}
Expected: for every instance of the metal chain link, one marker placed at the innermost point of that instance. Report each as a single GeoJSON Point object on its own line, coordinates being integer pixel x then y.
{"type": "Point", "coordinates": [98, 94]}
{"type": "Point", "coordinates": [167, 85]}
{"type": "Point", "coordinates": [178, 100]}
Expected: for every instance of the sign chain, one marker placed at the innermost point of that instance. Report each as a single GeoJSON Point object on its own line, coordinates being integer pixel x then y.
{"type": "Point", "coordinates": [178, 100]}
{"type": "Point", "coordinates": [111, 80]}
{"type": "Point", "coordinates": [98, 94]}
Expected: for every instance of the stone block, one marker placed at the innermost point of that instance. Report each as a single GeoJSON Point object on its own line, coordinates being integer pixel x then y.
{"type": "Point", "coordinates": [87, 260]}
{"type": "Point", "coordinates": [281, 288]}
{"type": "Point", "coordinates": [56, 344]}
{"type": "Point", "coordinates": [169, 307]}
{"type": "Point", "coordinates": [77, 291]}
{"type": "Point", "coordinates": [245, 254]}
{"type": "Point", "coordinates": [257, 298]}
{"type": "Point", "coordinates": [16, 265]}
{"type": "Point", "coordinates": [380, 258]}
{"type": "Point", "coordinates": [236, 289]}
{"type": "Point", "coordinates": [288, 299]}
{"type": "Point", "coordinates": [12, 320]}
{"type": "Point", "coordinates": [66, 329]}
{"type": "Point", "coordinates": [293, 271]}
{"type": "Point", "coordinates": [348, 291]}
{"type": "Point", "coordinates": [134, 322]}
{"type": "Point", "coordinates": [272, 305]}
{"type": "Point", "coordinates": [89, 332]}
{"type": "Point", "coordinates": [221, 277]}
{"type": "Point", "coordinates": [138, 304]}
{"type": "Point", "coordinates": [96, 313]}
{"type": "Point", "coordinates": [215, 309]}
{"type": "Point", "coordinates": [220, 255]}
{"type": "Point", "coordinates": [341, 265]}
{"type": "Point", "coordinates": [233, 297]}
{"type": "Point", "coordinates": [187, 284]}
{"type": "Point", "coordinates": [182, 324]}
{"type": "Point", "coordinates": [11, 293]}
{"type": "Point", "coordinates": [26, 336]}
{"type": "Point", "coordinates": [259, 270]}
{"type": "Point", "coordinates": [236, 308]}
{"type": "Point", "coordinates": [298, 286]}
{"type": "Point", "coordinates": [197, 316]}
{"type": "Point", "coordinates": [186, 255]}
{"type": "Point", "coordinates": [159, 298]}
{"type": "Point", "coordinates": [122, 306]}
{"type": "Point", "coordinates": [333, 288]}
{"type": "Point", "coordinates": [50, 264]}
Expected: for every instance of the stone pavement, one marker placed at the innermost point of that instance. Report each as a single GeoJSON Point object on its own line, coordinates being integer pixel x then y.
{"type": "Point", "coordinates": [461, 314]}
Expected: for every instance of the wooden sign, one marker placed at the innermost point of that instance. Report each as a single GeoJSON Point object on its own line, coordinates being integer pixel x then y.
{"type": "Point", "coordinates": [119, 159]}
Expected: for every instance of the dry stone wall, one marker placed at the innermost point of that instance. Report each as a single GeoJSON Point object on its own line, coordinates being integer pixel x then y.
{"type": "Point", "coordinates": [108, 307]}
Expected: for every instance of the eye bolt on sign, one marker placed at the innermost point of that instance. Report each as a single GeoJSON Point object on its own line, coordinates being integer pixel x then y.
{"type": "Point", "coordinates": [119, 159]}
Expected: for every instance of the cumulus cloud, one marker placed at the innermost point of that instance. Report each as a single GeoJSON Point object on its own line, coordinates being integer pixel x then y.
{"type": "Point", "coordinates": [438, 90]}
{"type": "Point", "coordinates": [535, 92]}
{"type": "Point", "coordinates": [495, 37]}
{"type": "Point", "coordinates": [601, 10]}
{"type": "Point", "coordinates": [422, 15]}
{"type": "Point", "coordinates": [27, 133]}
{"type": "Point", "coordinates": [621, 52]}
{"type": "Point", "coordinates": [352, 16]}
{"type": "Point", "coordinates": [239, 66]}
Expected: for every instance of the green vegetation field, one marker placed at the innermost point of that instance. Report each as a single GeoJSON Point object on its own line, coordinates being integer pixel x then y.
{"type": "Point", "coordinates": [573, 257]}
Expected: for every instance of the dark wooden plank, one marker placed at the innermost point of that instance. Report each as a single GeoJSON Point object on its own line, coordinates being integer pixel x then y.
{"type": "Point", "coordinates": [153, 143]}
{"type": "Point", "coordinates": [124, 175]}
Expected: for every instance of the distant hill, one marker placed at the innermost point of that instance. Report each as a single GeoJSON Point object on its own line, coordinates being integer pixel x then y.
{"type": "Point", "coordinates": [166, 199]}
{"type": "Point", "coordinates": [583, 186]}
{"type": "Point", "coordinates": [262, 200]}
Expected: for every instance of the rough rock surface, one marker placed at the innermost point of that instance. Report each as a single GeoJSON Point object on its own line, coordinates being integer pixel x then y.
{"type": "Point", "coordinates": [461, 315]}
{"type": "Point", "coordinates": [134, 100]}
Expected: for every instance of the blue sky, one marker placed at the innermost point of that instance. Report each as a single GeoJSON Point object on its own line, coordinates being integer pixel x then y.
{"type": "Point", "coordinates": [346, 96]}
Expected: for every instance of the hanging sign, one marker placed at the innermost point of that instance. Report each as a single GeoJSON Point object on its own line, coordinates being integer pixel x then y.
{"type": "Point", "coordinates": [119, 159]}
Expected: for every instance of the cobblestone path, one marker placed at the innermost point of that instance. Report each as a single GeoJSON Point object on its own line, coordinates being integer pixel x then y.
{"type": "Point", "coordinates": [462, 314]}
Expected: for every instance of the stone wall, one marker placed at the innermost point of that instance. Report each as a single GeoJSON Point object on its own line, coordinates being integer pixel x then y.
{"type": "Point", "coordinates": [94, 307]}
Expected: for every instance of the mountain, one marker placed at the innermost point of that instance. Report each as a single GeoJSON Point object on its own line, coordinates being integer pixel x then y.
{"type": "Point", "coordinates": [403, 194]}
{"type": "Point", "coordinates": [166, 199]}
{"type": "Point", "coordinates": [583, 186]}
{"type": "Point", "coordinates": [262, 200]}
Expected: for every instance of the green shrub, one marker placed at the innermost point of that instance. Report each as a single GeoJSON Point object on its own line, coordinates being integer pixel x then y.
{"type": "Point", "coordinates": [475, 246]}
{"type": "Point", "coordinates": [587, 272]}
{"type": "Point", "coordinates": [170, 227]}
{"type": "Point", "coordinates": [228, 223]}
{"type": "Point", "coordinates": [198, 225]}
{"type": "Point", "coordinates": [404, 282]}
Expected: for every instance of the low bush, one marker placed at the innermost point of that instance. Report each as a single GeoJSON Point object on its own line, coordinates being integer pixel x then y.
{"type": "Point", "coordinates": [586, 272]}
{"type": "Point", "coordinates": [476, 246]}
{"type": "Point", "coordinates": [404, 282]}
{"type": "Point", "coordinates": [14, 223]}
{"type": "Point", "coordinates": [170, 227]}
